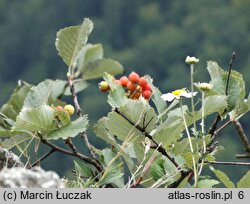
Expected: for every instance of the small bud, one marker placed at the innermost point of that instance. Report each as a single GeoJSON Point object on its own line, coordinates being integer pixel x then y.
{"type": "Point", "coordinates": [205, 86]}
{"type": "Point", "coordinates": [191, 60]}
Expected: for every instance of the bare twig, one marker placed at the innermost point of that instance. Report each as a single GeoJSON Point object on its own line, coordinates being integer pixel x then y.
{"type": "Point", "coordinates": [228, 163]}
{"type": "Point", "coordinates": [242, 135]}
{"type": "Point", "coordinates": [42, 158]}
{"type": "Point", "coordinates": [79, 113]}
{"type": "Point", "coordinates": [218, 117]}
{"type": "Point", "coordinates": [242, 156]}
{"type": "Point", "coordinates": [71, 145]}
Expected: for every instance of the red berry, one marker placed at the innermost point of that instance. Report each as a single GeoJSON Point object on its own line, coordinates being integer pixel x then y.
{"type": "Point", "coordinates": [124, 80]}
{"type": "Point", "coordinates": [103, 86]}
{"type": "Point", "coordinates": [146, 94]}
{"type": "Point", "coordinates": [118, 82]}
{"type": "Point", "coordinates": [131, 86]}
{"type": "Point", "coordinates": [134, 77]}
{"type": "Point", "coordinates": [147, 87]}
{"type": "Point", "coordinates": [142, 82]}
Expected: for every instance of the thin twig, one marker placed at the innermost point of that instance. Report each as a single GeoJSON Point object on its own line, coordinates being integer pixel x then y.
{"type": "Point", "coordinates": [229, 71]}
{"type": "Point", "coordinates": [242, 135]}
{"type": "Point", "coordinates": [79, 113]}
{"type": "Point", "coordinates": [242, 156]}
{"type": "Point", "coordinates": [218, 117]}
{"type": "Point", "coordinates": [228, 163]}
{"type": "Point", "coordinates": [71, 145]}
{"type": "Point", "coordinates": [75, 154]}
{"type": "Point", "coordinates": [144, 171]}
{"type": "Point", "coordinates": [42, 158]}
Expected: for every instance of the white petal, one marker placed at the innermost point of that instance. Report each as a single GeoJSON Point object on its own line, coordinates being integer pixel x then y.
{"type": "Point", "coordinates": [168, 97]}
{"type": "Point", "coordinates": [188, 95]}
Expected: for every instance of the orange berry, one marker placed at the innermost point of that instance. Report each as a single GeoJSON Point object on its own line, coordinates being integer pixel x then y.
{"type": "Point", "coordinates": [142, 82]}
{"type": "Point", "coordinates": [131, 86]}
{"type": "Point", "coordinates": [60, 108]}
{"type": "Point", "coordinates": [124, 80]}
{"type": "Point", "coordinates": [146, 94]}
{"type": "Point", "coordinates": [134, 77]}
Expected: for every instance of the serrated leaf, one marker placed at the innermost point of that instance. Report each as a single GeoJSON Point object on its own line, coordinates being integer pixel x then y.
{"type": "Point", "coordinates": [35, 119]}
{"type": "Point", "coordinates": [70, 130]}
{"type": "Point", "coordinates": [223, 178]}
{"type": "Point", "coordinates": [207, 183]}
{"type": "Point", "coordinates": [14, 105]}
{"type": "Point", "coordinates": [39, 95]}
{"type": "Point", "coordinates": [97, 68]}
{"type": "Point", "coordinates": [244, 181]}
{"type": "Point", "coordinates": [70, 41]}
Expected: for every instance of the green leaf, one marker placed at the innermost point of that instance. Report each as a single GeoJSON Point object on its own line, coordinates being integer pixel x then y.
{"type": "Point", "coordinates": [35, 119]}
{"type": "Point", "coordinates": [113, 168]}
{"type": "Point", "coordinates": [89, 53]}
{"type": "Point", "coordinates": [117, 97]}
{"type": "Point", "coordinates": [244, 181]}
{"type": "Point", "coordinates": [207, 183]}
{"type": "Point", "coordinates": [97, 68]}
{"type": "Point", "coordinates": [102, 132]}
{"type": "Point", "coordinates": [83, 169]}
{"type": "Point", "coordinates": [135, 114]}
{"type": "Point", "coordinates": [236, 89]}
{"type": "Point", "coordinates": [14, 105]}
{"type": "Point", "coordinates": [160, 104]}
{"type": "Point", "coordinates": [11, 133]}
{"type": "Point", "coordinates": [70, 41]}
{"type": "Point", "coordinates": [15, 141]}
{"type": "Point", "coordinates": [164, 168]}
{"type": "Point", "coordinates": [223, 178]}
{"type": "Point", "coordinates": [39, 95]}
{"type": "Point", "coordinates": [214, 104]}
{"type": "Point", "coordinates": [70, 130]}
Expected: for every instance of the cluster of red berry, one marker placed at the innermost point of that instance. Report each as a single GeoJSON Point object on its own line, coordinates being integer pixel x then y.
{"type": "Point", "coordinates": [134, 85]}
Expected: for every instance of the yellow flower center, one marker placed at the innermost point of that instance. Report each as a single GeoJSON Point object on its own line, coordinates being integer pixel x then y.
{"type": "Point", "coordinates": [178, 92]}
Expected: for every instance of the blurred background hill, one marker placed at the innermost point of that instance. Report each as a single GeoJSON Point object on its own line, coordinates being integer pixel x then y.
{"type": "Point", "coordinates": [149, 36]}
